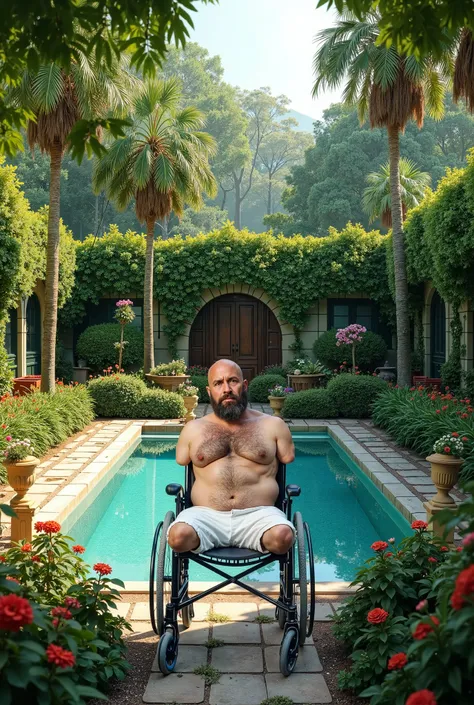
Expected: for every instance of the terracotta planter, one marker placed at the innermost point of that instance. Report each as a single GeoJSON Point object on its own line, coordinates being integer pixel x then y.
{"type": "Point", "coordinates": [21, 475]}
{"type": "Point", "coordinates": [301, 382]}
{"type": "Point", "coordinates": [277, 404]}
{"type": "Point", "coordinates": [169, 383]}
{"type": "Point", "coordinates": [444, 473]}
{"type": "Point", "coordinates": [190, 403]}
{"type": "Point", "coordinates": [24, 385]}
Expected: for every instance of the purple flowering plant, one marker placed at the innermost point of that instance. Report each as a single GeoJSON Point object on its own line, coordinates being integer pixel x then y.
{"type": "Point", "coordinates": [280, 391]}
{"type": "Point", "coordinates": [351, 335]}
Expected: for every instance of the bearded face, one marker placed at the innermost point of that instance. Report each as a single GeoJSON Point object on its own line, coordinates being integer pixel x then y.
{"type": "Point", "coordinates": [230, 406]}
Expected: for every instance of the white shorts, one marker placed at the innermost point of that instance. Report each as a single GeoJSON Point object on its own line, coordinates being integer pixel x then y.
{"type": "Point", "coordinates": [238, 527]}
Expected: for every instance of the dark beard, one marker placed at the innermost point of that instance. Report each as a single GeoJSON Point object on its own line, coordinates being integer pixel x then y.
{"type": "Point", "coordinates": [231, 412]}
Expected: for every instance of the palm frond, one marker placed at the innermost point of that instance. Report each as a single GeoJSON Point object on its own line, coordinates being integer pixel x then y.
{"type": "Point", "coordinates": [48, 87]}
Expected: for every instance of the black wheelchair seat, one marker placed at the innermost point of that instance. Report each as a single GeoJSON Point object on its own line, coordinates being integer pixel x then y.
{"type": "Point", "coordinates": [233, 553]}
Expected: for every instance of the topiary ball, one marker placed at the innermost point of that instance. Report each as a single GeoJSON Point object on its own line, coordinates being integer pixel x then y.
{"type": "Point", "coordinates": [370, 352]}
{"type": "Point", "coordinates": [117, 395]}
{"type": "Point", "coordinates": [310, 404]}
{"type": "Point", "coordinates": [354, 395]}
{"type": "Point", "coordinates": [259, 386]}
{"type": "Point", "coordinates": [97, 346]}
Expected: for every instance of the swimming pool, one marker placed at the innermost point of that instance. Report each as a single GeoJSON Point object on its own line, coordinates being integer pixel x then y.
{"type": "Point", "coordinates": [345, 510]}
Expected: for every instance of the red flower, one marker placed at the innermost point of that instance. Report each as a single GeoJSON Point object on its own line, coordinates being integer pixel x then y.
{"type": "Point", "coordinates": [72, 602]}
{"type": "Point", "coordinates": [432, 560]}
{"type": "Point", "coordinates": [78, 549]}
{"type": "Point", "coordinates": [447, 449]}
{"type": "Point", "coordinates": [444, 549]}
{"type": "Point", "coordinates": [379, 546]}
{"type": "Point", "coordinates": [463, 588]}
{"type": "Point", "coordinates": [422, 630]}
{"type": "Point", "coordinates": [15, 612]}
{"type": "Point", "coordinates": [36, 559]}
{"type": "Point", "coordinates": [438, 411]}
{"type": "Point", "coordinates": [3, 559]}
{"type": "Point", "coordinates": [26, 548]}
{"type": "Point", "coordinates": [377, 616]}
{"type": "Point", "coordinates": [388, 554]}
{"type": "Point", "coordinates": [62, 612]}
{"type": "Point", "coordinates": [102, 568]}
{"type": "Point", "coordinates": [422, 697]}
{"type": "Point", "coordinates": [39, 526]}
{"type": "Point", "coordinates": [59, 656]}
{"type": "Point", "coordinates": [4, 425]}
{"type": "Point", "coordinates": [459, 549]}
{"type": "Point", "coordinates": [397, 661]}
{"type": "Point", "coordinates": [465, 439]}
{"type": "Point", "coordinates": [51, 527]}
{"type": "Point", "coordinates": [418, 524]}
{"type": "Point", "coordinates": [455, 434]}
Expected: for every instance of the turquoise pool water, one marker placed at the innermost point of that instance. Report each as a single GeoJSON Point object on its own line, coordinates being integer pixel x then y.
{"type": "Point", "coordinates": [344, 509]}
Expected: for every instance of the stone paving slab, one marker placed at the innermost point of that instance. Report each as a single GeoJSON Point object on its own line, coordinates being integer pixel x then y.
{"type": "Point", "coordinates": [308, 660]}
{"type": "Point", "coordinates": [242, 611]}
{"type": "Point", "coordinates": [121, 610]}
{"type": "Point", "coordinates": [300, 687]}
{"type": "Point", "coordinates": [174, 688]}
{"type": "Point", "coordinates": [238, 690]}
{"type": "Point", "coordinates": [322, 612]}
{"type": "Point", "coordinates": [272, 635]}
{"type": "Point", "coordinates": [238, 632]}
{"type": "Point", "coordinates": [189, 658]}
{"type": "Point", "coordinates": [237, 659]}
{"type": "Point", "coordinates": [196, 634]}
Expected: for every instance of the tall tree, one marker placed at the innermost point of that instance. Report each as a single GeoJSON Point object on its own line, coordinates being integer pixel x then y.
{"type": "Point", "coordinates": [377, 199]}
{"type": "Point", "coordinates": [59, 99]}
{"type": "Point", "coordinates": [163, 163]}
{"type": "Point", "coordinates": [391, 89]}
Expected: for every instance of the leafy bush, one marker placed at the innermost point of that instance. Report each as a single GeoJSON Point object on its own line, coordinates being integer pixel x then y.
{"type": "Point", "coordinates": [60, 641]}
{"type": "Point", "coordinates": [310, 404]}
{"type": "Point", "coordinates": [274, 370]}
{"type": "Point", "coordinates": [469, 384]}
{"type": "Point", "coordinates": [353, 395]}
{"type": "Point", "coordinates": [371, 351]}
{"type": "Point", "coordinates": [416, 418]}
{"type": "Point", "coordinates": [127, 396]}
{"type": "Point", "coordinates": [259, 386]}
{"type": "Point", "coordinates": [97, 346]}
{"type": "Point", "coordinates": [175, 367]}
{"type": "Point", "coordinates": [64, 367]}
{"type": "Point", "coordinates": [197, 370]}
{"type": "Point", "coordinates": [200, 381]}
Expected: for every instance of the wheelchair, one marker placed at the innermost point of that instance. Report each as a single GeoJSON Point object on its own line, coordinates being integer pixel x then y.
{"type": "Point", "coordinates": [169, 579]}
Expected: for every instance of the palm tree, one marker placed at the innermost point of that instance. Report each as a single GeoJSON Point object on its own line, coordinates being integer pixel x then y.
{"type": "Point", "coordinates": [390, 89]}
{"type": "Point", "coordinates": [377, 200]}
{"type": "Point", "coordinates": [59, 98]}
{"type": "Point", "coordinates": [162, 162]}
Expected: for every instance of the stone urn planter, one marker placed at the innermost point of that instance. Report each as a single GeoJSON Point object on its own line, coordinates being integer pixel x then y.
{"type": "Point", "coordinates": [25, 385]}
{"type": "Point", "coordinates": [301, 382]}
{"type": "Point", "coordinates": [21, 477]}
{"type": "Point", "coordinates": [444, 473]}
{"type": "Point", "coordinates": [190, 403]}
{"type": "Point", "coordinates": [169, 383]}
{"type": "Point", "coordinates": [277, 404]}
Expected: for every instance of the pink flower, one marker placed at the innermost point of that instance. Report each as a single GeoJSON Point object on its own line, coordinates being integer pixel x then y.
{"type": "Point", "coordinates": [8, 438]}
{"type": "Point", "coordinates": [421, 605]}
{"type": "Point", "coordinates": [468, 539]}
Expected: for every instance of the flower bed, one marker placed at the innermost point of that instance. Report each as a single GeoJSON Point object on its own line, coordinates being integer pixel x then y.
{"type": "Point", "coordinates": [59, 641]}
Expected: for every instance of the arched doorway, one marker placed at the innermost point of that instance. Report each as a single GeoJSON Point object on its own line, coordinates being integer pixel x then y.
{"type": "Point", "coordinates": [33, 336]}
{"type": "Point", "coordinates": [438, 334]}
{"type": "Point", "coordinates": [236, 327]}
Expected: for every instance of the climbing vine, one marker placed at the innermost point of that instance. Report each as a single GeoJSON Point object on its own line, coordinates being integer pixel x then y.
{"type": "Point", "coordinates": [294, 271]}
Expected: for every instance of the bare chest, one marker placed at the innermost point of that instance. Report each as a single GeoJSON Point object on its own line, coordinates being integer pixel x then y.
{"type": "Point", "coordinates": [248, 442]}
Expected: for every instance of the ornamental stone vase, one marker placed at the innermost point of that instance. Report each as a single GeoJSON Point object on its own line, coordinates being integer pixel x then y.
{"type": "Point", "coordinates": [190, 403]}
{"type": "Point", "coordinates": [301, 382]}
{"type": "Point", "coordinates": [277, 404]}
{"type": "Point", "coordinates": [444, 473]}
{"type": "Point", "coordinates": [169, 383]}
{"type": "Point", "coordinates": [21, 476]}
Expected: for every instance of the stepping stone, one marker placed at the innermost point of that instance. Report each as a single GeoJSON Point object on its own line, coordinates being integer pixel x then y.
{"type": "Point", "coordinates": [308, 660]}
{"type": "Point", "coordinates": [267, 611]}
{"type": "Point", "coordinates": [189, 658]}
{"type": "Point", "coordinates": [241, 611]}
{"type": "Point", "coordinates": [238, 659]}
{"type": "Point", "coordinates": [142, 628]}
{"type": "Point", "coordinates": [400, 466]}
{"type": "Point", "coordinates": [196, 634]}
{"type": "Point", "coordinates": [272, 635]}
{"type": "Point", "coordinates": [238, 690]}
{"type": "Point", "coordinates": [299, 687]}
{"type": "Point", "coordinates": [420, 480]}
{"type": "Point", "coordinates": [174, 688]}
{"type": "Point", "coordinates": [238, 632]}
{"type": "Point", "coordinates": [121, 610]}
{"type": "Point", "coordinates": [322, 612]}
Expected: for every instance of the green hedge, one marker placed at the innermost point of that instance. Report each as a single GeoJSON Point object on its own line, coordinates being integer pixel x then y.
{"type": "Point", "coordinates": [354, 395]}
{"type": "Point", "coordinates": [370, 353]}
{"type": "Point", "coordinates": [310, 404]}
{"type": "Point", "coordinates": [259, 386]}
{"type": "Point", "coordinates": [126, 396]}
{"type": "Point", "coordinates": [97, 346]}
{"type": "Point", "coordinates": [200, 381]}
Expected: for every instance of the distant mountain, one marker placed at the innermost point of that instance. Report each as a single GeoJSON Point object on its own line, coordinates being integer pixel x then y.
{"type": "Point", "coordinates": [305, 122]}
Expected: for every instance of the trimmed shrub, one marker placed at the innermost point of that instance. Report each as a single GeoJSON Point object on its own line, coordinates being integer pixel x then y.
{"type": "Point", "coordinates": [117, 395]}
{"type": "Point", "coordinates": [200, 381]}
{"type": "Point", "coordinates": [259, 386]}
{"type": "Point", "coordinates": [158, 404]}
{"type": "Point", "coordinates": [310, 404]}
{"type": "Point", "coordinates": [354, 395]}
{"type": "Point", "coordinates": [97, 345]}
{"type": "Point", "coordinates": [273, 370]}
{"type": "Point", "coordinates": [370, 352]}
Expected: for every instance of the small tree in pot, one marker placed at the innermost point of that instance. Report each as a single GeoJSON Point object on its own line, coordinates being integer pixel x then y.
{"type": "Point", "coordinates": [351, 335]}
{"type": "Point", "coordinates": [123, 315]}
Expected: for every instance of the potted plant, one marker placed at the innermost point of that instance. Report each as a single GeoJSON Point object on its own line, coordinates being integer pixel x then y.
{"type": "Point", "coordinates": [446, 462]}
{"type": "Point", "coordinates": [351, 335]}
{"type": "Point", "coordinates": [305, 374]}
{"type": "Point", "coordinates": [169, 375]}
{"type": "Point", "coordinates": [21, 466]}
{"type": "Point", "coordinates": [277, 396]}
{"type": "Point", "coordinates": [190, 399]}
{"type": "Point", "coordinates": [124, 315]}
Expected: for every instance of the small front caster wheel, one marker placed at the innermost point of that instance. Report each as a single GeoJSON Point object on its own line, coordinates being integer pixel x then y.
{"type": "Point", "coordinates": [167, 653]}
{"type": "Point", "coordinates": [289, 652]}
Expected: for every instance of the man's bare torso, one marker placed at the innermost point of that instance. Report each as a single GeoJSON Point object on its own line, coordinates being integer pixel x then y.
{"type": "Point", "coordinates": [235, 464]}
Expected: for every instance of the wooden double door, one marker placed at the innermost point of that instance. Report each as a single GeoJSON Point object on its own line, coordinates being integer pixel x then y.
{"type": "Point", "coordinates": [236, 327]}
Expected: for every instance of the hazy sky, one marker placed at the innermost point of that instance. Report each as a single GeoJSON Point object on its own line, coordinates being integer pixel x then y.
{"type": "Point", "coordinates": [267, 43]}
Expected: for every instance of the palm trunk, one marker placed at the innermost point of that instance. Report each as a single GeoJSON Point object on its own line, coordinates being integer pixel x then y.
{"type": "Point", "coordinates": [149, 351]}
{"type": "Point", "coordinates": [401, 283]}
{"type": "Point", "coordinates": [50, 316]}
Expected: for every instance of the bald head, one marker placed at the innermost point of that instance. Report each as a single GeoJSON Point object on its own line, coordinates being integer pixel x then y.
{"type": "Point", "coordinates": [223, 368]}
{"type": "Point", "coordinates": [227, 390]}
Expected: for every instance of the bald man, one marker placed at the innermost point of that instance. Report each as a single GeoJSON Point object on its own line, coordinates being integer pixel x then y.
{"type": "Point", "coordinates": [235, 453]}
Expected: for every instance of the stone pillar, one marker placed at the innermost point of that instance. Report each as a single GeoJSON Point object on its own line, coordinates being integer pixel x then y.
{"type": "Point", "coordinates": [21, 338]}
{"type": "Point", "coordinates": [435, 526]}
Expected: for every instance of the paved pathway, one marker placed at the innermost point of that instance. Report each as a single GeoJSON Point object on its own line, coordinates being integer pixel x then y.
{"type": "Point", "coordinates": [247, 659]}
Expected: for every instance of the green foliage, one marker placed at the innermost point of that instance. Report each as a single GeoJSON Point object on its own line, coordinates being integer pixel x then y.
{"type": "Point", "coordinates": [370, 352]}
{"type": "Point", "coordinates": [353, 395]}
{"type": "Point", "coordinates": [416, 418]}
{"type": "Point", "coordinates": [259, 387]}
{"type": "Point", "coordinates": [127, 396]}
{"type": "Point", "coordinates": [294, 271]}
{"type": "Point", "coordinates": [69, 610]}
{"type": "Point", "coordinates": [274, 370]}
{"type": "Point", "coordinates": [195, 222]}
{"type": "Point", "coordinates": [209, 674]}
{"type": "Point", "coordinates": [469, 384]}
{"type": "Point", "coordinates": [200, 381]}
{"type": "Point", "coordinates": [310, 404]}
{"type": "Point", "coordinates": [96, 345]}
{"type": "Point", "coordinates": [64, 367]}
{"type": "Point", "coordinates": [175, 367]}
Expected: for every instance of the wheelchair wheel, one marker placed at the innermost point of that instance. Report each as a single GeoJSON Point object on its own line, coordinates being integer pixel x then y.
{"type": "Point", "coordinates": [312, 583]}
{"type": "Point", "coordinates": [167, 653]}
{"type": "Point", "coordinates": [164, 568]}
{"type": "Point", "coordinates": [300, 578]}
{"type": "Point", "coordinates": [289, 652]}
